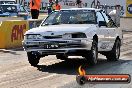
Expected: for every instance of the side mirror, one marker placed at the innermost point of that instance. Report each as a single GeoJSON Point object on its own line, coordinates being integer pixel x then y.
{"type": "Point", "coordinates": [102, 23]}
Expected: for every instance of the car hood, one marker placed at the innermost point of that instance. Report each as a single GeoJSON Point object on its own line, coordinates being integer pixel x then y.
{"type": "Point", "coordinates": [61, 29]}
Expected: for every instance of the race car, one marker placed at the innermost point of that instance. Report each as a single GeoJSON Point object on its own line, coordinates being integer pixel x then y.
{"type": "Point", "coordinates": [74, 32]}
{"type": "Point", "coordinates": [9, 10]}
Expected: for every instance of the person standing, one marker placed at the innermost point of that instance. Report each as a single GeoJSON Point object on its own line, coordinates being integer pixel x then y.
{"type": "Point", "coordinates": [35, 7]}
{"type": "Point", "coordinates": [56, 6]}
{"type": "Point", "coordinates": [50, 6]}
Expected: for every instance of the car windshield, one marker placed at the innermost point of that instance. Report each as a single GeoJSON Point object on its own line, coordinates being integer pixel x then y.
{"type": "Point", "coordinates": [71, 17]}
{"type": "Point", "coordinates": [8, 8]}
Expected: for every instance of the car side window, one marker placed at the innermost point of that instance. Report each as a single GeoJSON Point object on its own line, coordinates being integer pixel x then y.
{"type": "Point", "coordinates": [99, 17]}
{"type": "Point", "coordinates": [108, 20]}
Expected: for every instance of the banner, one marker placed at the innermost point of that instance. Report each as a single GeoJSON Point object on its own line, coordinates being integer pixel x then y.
{"type": "Point", "coordinates": [128, 8]}
{"type": "Point", "coordinates": [12, 33]}
{"type": "Point", "coordinates": [102, 4]}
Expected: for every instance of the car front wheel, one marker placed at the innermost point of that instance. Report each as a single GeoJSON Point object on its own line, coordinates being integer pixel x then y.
{"type": "Point", "coordinates": [33, 58]}
{"type": "Point", "coordinates": [92, 56]}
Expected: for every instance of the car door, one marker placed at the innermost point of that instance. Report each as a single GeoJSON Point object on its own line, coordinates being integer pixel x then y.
{"type": "Point", "coordinates": [102, 31]}
{"type": "Point", "coordinates": [111, 27]}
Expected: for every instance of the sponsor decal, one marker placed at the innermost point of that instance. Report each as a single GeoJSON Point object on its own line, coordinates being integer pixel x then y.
{"type": "Point", "coordinates": [72, 3]}
{"type": "Point", "coordinates": [17, 32]}
{"type": "Point", "coordinates": [95, 4]}
{"type": "Point", "coordinates": [99, 5]}
{"type": "Point", "coordinates": [129, 8]}
{"type": "Point", "coordinates": [82, 78]}
{"type": "Point", "coordinates": [104, 45]}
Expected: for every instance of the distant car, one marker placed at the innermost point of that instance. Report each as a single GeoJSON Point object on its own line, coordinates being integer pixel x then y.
{"type": "Point", "coordinates": [13, 10]}
{"type": "Point", "coordinates": [7, 1]}
{"type": "Point", "coordinates": [72, 32]}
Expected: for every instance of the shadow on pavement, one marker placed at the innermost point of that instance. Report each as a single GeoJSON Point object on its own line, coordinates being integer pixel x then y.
{"type": "Point", "coordinates": [71, 66]}
{"type": "Point", "coordinates": [12, 51]}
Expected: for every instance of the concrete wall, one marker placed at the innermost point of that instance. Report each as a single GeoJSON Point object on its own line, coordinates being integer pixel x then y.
{"type": "Point", "coordinates": [126, 24]}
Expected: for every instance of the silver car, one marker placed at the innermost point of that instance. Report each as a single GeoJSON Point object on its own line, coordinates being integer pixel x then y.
{"type": "Point", "coordinates": [74, 32]}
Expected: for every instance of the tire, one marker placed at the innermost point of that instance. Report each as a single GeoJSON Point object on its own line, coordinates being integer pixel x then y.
{"type": "Point", "coordinates": [114, 54]}
{"type": "Point", "coordinates": [81, 80]}
{"type": "Point", "coordinates": [33, 59]}
{"type": "Point", "coordinates": [92, 56]}
{"type": "Point", "coordinates": [62, 57]}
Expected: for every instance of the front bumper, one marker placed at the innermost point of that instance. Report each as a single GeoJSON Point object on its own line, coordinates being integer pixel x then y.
{"type": "Point", "coordinates": [53, 47]}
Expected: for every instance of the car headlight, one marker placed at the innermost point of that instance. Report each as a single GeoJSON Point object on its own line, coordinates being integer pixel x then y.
{"type": "Point", "coordinates": [74, 35]}
{"type": "Point", "coordinates": [34, 37]}
{"type": "Point", "coordinates": [67, 36]}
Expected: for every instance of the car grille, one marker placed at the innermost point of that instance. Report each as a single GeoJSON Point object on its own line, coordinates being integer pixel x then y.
{"type": "Point", "coordinates": [56, 45]}
{"type": "Point", "coordinates": [52, 37]}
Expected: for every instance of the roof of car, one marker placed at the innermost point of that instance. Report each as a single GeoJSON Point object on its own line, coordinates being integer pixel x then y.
{"type": "Point", "coordinates": [9, 4]}
{"type": "Point", "coordinates": [83, 9]}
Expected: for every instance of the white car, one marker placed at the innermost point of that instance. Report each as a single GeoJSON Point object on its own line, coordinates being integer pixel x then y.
{"type": "Point", "coordinates": [74, 32]}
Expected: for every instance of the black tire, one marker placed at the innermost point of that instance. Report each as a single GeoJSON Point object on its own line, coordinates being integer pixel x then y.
{"type": "Point", "coordinates": [81, 80]}
{"type": "Point", "coordinates": [33, 59]}
{"type": "Point", "coordinates": [92, 56]}
{"type": "Point", "coordinates": [114, 54]}
{"type": "Point", "coordinates": [62, 57]}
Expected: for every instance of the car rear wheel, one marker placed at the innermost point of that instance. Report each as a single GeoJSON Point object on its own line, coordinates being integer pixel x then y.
{"type": "Point", "coordinates": [114, 54]}
{"type": "Point", "coordinates": [92, 56]}
{"type": "Point", "coordinates": [33, 58]}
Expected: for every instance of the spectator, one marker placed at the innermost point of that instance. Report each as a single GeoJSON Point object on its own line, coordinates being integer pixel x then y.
{"type": "Point", "coordinates": [56, 6]}
{"type": "Point", "coordinates": [50, 6]}
{"type": "Point", "coordinates": [35, 7]}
